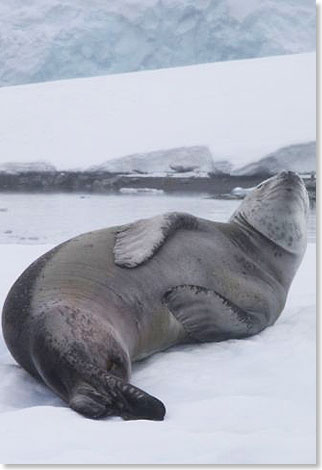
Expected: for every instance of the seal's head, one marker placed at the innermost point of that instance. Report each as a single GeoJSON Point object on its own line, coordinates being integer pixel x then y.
{"type": "Point", "coordinates": [278, 209]}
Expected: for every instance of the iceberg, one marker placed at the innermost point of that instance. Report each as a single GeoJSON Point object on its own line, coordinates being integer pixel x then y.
{"type": "Point", "coordinates": [26, 167]}
{"type": "Point", "coordinates": [195, 160]}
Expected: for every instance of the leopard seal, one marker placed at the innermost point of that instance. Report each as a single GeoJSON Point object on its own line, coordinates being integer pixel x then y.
{"type": "Point", "coordinates": [81, 314]}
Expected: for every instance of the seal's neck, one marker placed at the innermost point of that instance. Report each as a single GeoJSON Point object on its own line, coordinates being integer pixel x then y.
{"type": "Point", "coordinates": [280, 263]}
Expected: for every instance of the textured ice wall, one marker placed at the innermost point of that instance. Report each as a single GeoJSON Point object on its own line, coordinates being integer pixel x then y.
{"type": "Point", "coordinates": [54, 39]}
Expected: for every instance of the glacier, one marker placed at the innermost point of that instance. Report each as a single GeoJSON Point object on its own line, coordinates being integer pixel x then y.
{"type": "Point", "coordinates": [43, 40]}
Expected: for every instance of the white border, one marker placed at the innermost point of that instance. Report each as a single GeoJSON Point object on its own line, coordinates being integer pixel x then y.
{"type": "Point", "coordinates": [318, 127]}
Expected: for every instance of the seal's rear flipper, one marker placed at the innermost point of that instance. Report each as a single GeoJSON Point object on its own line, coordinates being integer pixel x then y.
{"type": "Point", "coordinates": [90, 377]}
{"type": "Point", "coordinates": [118, 399]}
{"type": "Point", "coordinates": [88, 403]}
{"type": "Point", "coordinates": [140, 405]}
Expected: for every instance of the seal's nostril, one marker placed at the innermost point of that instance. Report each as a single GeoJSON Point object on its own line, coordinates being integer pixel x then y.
{"type": "Point", "coordinates": [289, 175]}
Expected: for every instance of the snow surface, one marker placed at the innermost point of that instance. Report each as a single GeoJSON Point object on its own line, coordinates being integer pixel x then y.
{"type": "Point", "coordinates": [241, 109]}
{"type": "Point", "coordinates": [243, 401]}
{"type": "Point", "coordinates": [55, 39]}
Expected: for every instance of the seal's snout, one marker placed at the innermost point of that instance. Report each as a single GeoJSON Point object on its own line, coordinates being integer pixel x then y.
{"type": "Point", "coordinates": [288, 173]}
{"type": "Point", "coordinates": [293, 187]}
{"type": "Point", "coordinates": [290, 182]}
{"type": "Point", "coordinates": [290, 176]}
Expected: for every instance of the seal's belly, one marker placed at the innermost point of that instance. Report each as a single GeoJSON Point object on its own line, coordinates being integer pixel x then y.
{"type": "Point", "coordinates": [162, 331]}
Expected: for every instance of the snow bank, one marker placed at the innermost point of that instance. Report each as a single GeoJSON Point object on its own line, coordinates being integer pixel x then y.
{"type": "Point", "coordinates": [247, 402]}
{"type": "Point", "coordinates": [242, 110]}
{"type": "Point", "coordinates": [54, 39]}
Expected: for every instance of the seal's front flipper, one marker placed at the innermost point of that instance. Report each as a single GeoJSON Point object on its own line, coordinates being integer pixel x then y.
{"type": "Point", "coordinates": [137, 242]}
{"type": "Point", "coordinates": [208, 316]}
{"type": "Point", "coordinates": [115, 398]}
